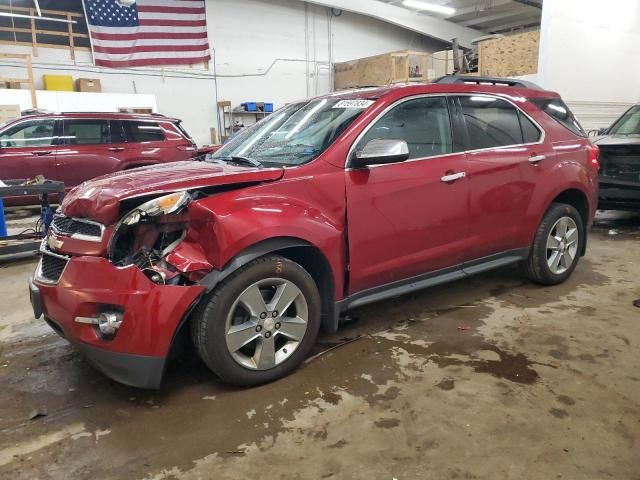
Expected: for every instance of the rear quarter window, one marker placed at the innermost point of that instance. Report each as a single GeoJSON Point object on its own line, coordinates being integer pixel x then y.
{"type": "Point", "coordinates": [139, 131]}
{"type": "Point", "coordinates": [556, 108]}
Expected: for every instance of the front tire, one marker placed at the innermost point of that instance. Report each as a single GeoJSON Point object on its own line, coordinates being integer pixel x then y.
{"type": "Point", "coordinates": [557, 246]}
{"type": "Point", "coordinates": [260, 323]}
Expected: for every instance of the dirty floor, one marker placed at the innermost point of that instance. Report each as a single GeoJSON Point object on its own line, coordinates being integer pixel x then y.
{"type": "Point", "coordinates": [487, 378]}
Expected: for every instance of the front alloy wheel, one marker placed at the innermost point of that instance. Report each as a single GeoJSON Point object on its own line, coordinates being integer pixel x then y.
{"type": "Point", "coordinates": [260, 323]}
{"type": "Point", "coordinates": [266, 323]}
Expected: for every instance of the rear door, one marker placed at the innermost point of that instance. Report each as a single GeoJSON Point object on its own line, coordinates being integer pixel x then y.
{"type": "Point", "coordinates": [28, 148]}
{"type": "Point", "coordinates": [144, 143]}
{"type": "Point", "coordinates": [85, 150]}
{"type": "Point", "coordinates": [404, 219]}
{"type": "Point", "coordinates": [502, 144]}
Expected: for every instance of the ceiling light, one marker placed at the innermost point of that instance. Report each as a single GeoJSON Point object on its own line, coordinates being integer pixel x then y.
{"type": "Point", "coordinates": [429, 6]}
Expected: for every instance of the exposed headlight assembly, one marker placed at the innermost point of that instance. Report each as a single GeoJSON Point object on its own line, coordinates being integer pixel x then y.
{"type": "Point", "coordinates": [158, 206]}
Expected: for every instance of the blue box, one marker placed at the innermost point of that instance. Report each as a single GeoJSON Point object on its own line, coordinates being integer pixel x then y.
{"type": "Point", "coordinates": [268, 107]}
{"type": "Point", "coordinates": [250, 106]}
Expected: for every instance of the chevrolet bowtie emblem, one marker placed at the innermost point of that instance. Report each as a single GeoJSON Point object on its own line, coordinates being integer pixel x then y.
{"type": "Point", "coordinates": [54, 242]}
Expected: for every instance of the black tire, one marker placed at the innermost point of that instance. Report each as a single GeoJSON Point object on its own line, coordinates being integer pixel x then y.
{"type": "Point", "coordinates": [536, 268]}
{"type": "Point", "coordinates": [208, 324]}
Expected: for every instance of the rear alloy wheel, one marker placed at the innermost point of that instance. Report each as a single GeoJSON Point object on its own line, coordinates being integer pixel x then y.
{"type": "Point", "coordinates": [557, 246]}
{"type": "Point", "coordinates": [562, 245]}
{"type": "Point", "coordinates": [260, 323]}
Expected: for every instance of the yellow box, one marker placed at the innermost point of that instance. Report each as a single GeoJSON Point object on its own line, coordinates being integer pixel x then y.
{"type": "Point", "coordinates": [61, 83]}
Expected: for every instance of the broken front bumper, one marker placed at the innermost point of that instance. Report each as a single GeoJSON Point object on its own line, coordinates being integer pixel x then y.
{"type": "Point", "coordinates": [151, 315]}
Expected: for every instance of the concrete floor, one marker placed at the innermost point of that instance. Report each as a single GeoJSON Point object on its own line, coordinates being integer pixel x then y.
{"type": "Point", "coordinates": [488, 378]}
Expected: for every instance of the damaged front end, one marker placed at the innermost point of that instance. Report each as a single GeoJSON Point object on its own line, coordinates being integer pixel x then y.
{"type": "Point", "coordinates": [149, 233]}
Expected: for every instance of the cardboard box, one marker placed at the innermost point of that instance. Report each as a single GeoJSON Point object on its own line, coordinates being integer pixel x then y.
{"type": "Point", "coordinates": [9, 112]}
{"type": "Point", "coordinates": [15, 85]}
{"type": "Point", "coordinates": [88, 85]}
{"type": "Point", "coordinates": [60, 83]}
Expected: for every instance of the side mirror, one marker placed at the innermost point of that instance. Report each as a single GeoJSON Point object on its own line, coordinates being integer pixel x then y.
{"type": "Point", "coordinates": [381, 151]}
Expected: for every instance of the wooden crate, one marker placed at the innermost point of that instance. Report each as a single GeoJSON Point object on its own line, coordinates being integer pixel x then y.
{"type": "Point", "coordinates": [509, 56]}
{"type": "Point", "coordinates": [395, 67]}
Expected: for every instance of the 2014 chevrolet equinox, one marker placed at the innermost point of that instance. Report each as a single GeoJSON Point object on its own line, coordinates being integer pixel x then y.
{"type": "Point", "coordinates": [327, 204]}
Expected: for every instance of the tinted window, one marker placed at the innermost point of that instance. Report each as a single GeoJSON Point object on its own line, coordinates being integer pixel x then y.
{"type": "Point", "coordinates": [117, 133]}
{"type": "Point", "coordinates": [530, 132]}
{"type": "Point", "coordinates": [491, 122]}
{"type": "Point", "coordinates": [85, 132]}
{"type": "Point", "coordinates": [142, 131]}
{"type": "Point", "coordinates": [36, 133]}
{"type": "Point", "coordinates": [423, 123]}
{"type": "Point", "coordinates": [558, 110]}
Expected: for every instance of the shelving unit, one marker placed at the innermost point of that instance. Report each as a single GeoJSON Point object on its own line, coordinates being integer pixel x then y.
{"type": "Point", "coordinates": [229, 116]}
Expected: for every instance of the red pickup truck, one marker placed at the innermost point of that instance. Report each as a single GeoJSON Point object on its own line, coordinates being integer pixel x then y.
{"type": "Point", "coordinates": [328, 204]}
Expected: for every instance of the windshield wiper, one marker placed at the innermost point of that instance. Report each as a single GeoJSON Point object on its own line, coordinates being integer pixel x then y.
{"type": "Point", "coordinates": [241, 160]}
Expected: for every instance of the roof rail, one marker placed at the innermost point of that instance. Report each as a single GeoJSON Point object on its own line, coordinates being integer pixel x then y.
{"type": "Point", "coordinates": [509, 82]}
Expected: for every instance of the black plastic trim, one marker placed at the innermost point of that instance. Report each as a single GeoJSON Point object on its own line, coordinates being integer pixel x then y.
{"type": "Point", "coordinates": [214, 277]}
{"type": "Point", "coordinates": [430, 279]}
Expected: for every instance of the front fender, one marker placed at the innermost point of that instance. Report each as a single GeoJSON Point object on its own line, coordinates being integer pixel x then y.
{"type": "Point", "coordinates": [227, 232]}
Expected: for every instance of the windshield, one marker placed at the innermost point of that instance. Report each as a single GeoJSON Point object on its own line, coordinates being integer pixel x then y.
{"type": "Point", "coordinates": [293, 135]}
{"type": "Point", "coordinates": [627, 124]}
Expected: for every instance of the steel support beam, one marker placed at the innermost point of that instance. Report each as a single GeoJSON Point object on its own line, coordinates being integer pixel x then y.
{"type": "Point", "coordinates": [429, 26]}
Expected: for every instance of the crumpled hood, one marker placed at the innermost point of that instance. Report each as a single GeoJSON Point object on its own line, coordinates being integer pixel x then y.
{"type": "Point", "coordinates": [99, 199]}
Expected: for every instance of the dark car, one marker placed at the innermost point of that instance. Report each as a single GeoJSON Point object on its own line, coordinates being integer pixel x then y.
{"type": "Point", "coordinates": [620, 162]}
{"type": "Point", "coordinates": [328, 204]}
{"type": "Point", "coordinates": [74, 147]}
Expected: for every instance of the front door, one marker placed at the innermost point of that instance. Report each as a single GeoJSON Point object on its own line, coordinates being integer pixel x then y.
{"type": "Point", "coordinates": [408, 218]}
{"type": "Point", "coordinates": [28, 149]}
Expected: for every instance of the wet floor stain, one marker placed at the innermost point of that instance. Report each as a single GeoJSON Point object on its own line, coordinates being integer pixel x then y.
{"type": "Point", "coordinates": [559, 413]}
{"type": "Point", "coordinates": [446, 384]}
{"type": "Point", "coordinates": [387, 423]}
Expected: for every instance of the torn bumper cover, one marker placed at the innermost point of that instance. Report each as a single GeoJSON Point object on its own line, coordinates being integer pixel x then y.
{"type": "Point", "coordinates": [151, 314]}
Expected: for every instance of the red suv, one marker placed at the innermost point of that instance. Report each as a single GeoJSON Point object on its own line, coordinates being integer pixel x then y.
{"type": "Point", "coordinates": [328, 204]}
{"type": "Point", "coordinates": [74, 147]}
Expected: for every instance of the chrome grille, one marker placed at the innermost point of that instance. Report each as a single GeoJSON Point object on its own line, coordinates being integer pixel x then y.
{"type": "Point", "coordinates": [51, 266]}
{"type": "Point", "coordinates": [75, 227]}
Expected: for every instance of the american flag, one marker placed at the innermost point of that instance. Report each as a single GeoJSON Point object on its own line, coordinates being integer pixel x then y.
{"type": "Point", "coordinates": [147, 32]}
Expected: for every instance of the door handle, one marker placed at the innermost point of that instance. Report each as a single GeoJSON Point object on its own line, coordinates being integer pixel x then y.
{"type": "Point", "coordinates": [452, 177]}
{"type": "Point", "coordinates": [42, 152]}
{"type": "Point", "coordinates": [536, 158]}
{"type": "Point", "coordinates": [115, 149]}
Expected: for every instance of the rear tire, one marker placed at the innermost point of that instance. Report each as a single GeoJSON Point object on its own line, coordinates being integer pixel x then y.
{"type": "Point", "coordinates": [260, 323]}
{"type": "Point", "coordinates": [557, 246]}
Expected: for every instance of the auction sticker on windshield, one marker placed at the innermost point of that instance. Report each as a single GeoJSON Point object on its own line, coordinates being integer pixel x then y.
{"type": "Point", "coordinates": [354, 104]}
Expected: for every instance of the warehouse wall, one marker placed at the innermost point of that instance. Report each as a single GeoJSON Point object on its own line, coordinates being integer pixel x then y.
{"type": "Point", "coordinates": [589, 53]}
{"type": "Point", "coordinates": [274, 51]}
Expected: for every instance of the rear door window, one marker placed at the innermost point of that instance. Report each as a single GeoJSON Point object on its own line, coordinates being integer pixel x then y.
{"type": "Point", "coordinates": [530, 133]}
{"type": "Point", "coordinates": [140, 131]}
{"type": "Point", "coordinates": [491, 122]}
{"type": "Point", "coordinates": [85, 131]}
{"type": "Point", "coordinates": [557, 109]}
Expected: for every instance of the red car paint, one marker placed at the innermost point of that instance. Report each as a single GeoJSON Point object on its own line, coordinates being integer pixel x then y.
{"type": "Point", "coordinates": [60, 156]}
{"type": "Point", "coordinates": [373, 226]}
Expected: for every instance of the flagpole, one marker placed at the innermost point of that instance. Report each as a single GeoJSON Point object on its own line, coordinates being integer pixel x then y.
{"type": "Point", "coordinates": [84, 9]}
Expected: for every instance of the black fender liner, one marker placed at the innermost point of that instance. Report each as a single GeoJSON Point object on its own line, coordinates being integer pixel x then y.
{"type": "Point", "coordinates": [214, 277]}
